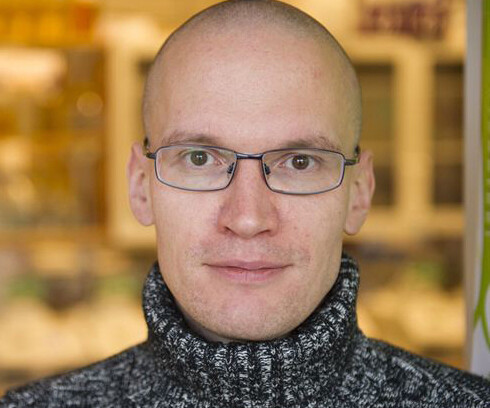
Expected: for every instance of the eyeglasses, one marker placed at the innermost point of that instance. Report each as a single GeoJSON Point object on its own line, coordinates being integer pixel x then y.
{"type": "Point", "coordinates": [288, 171]}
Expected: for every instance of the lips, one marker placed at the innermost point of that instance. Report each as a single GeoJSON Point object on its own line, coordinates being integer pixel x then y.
{"type": "Point", "coordinates": [248, 265]}
{"type": "Point", "coordinates": [247, 271]}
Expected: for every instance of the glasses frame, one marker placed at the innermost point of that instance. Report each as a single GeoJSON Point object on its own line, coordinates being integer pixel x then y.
{"type": "Point", "coordinates": [252, 156]}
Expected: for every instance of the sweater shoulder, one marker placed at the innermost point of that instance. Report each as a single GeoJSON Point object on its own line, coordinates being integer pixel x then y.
{"type": "Point", "coordinates": [98, 384]}
{"type": "Point", "coordinates": [419, 381]}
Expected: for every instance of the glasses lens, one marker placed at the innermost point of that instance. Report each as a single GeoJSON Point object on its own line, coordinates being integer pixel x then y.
{"type": "Point", "coordinates": [303, 171]}
{"type": "Point", "coordinates": [195, 167]}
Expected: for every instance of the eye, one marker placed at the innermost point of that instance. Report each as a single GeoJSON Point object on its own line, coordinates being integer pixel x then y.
{"type": "Point", "coordinates": [300, 162]}
{"type": "Point", "coordinates": [199, 157]}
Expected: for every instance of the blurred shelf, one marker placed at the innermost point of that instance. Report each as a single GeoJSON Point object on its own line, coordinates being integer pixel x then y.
{"type": "Point", "coordinates": [27, 236]}
{"type": "Point", "coordinates": [394, 228]}
{"type": "Point", "coordinates": [48, 22]}
{"type": "Point", "coordinates": [74, 337]}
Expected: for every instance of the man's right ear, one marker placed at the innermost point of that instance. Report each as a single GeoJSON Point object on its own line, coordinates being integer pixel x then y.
{"type": "Point", "coordinates": [139, 185]}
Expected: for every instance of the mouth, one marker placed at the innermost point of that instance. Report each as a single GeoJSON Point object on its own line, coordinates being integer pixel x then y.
{"type": "Point", "coordinates": [247, 271]}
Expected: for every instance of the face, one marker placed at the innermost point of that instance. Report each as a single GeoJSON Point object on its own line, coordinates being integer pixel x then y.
{"type": "Point", "coordinates": [246, 263]}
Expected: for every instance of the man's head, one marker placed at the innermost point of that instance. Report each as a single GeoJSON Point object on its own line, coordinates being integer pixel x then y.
{"type": "Point", "coordinates": [247, 263]}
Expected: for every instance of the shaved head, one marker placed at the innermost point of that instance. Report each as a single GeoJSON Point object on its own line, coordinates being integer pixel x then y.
{"type": "Point", "coordinates": [247, 18]}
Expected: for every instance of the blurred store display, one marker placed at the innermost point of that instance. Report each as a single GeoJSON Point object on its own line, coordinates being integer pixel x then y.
{"type": "Point", "coordinates": [448, 134]}
{"type": "Point", "coordinates": [377, 83]}
{"type": "Point", "coordinates": [47, 22]}
{"type": "Point", "coordinates": [51, 128]}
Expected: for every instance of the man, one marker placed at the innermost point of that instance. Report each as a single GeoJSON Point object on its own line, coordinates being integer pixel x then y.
{"type": "Point", "coordinates": [251, 174]}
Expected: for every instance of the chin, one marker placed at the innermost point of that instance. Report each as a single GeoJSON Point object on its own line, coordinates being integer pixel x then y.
{"type": "Point", "coordinates": [242, 313]}
{"type": "Point", "coordinates": [249, 333]}
{"type": "Point", "coordinates": [253, 324]}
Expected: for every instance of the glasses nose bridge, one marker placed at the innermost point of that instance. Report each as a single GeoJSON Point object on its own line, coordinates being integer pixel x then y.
{"type": "Point", "coordinates": [253, 156]}
{"type": "Point", "coordinates": [247, 156]}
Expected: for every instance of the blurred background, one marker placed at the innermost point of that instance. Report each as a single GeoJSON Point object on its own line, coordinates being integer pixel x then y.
{"type": "Point", "coordinates": [73, 260]}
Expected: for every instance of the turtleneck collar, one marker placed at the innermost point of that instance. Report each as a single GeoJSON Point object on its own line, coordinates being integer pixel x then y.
{"type": "Point", "coordinates": [271, 373]}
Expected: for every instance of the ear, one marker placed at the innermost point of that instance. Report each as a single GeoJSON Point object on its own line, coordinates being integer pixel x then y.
{"type": "Point", "coordinates": [137, 172]}
{"type": "Point", "coordinates": [361, 192]}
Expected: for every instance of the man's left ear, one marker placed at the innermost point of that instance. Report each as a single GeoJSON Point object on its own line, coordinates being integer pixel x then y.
{"type": "Point", "coordinates": [361, 192]}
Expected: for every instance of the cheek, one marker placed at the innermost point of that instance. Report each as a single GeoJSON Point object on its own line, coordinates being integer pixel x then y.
{"type": "Point", "coordinates": [177, 211]}
{"type": "Point", "coordinates": [318, 221]}
{"type": "Point", "coordinates": [181, 220]}
{"type": "Point", "coordinates": [318, 228]}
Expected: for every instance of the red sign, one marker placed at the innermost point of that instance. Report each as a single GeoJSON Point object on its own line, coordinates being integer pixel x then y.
{"type": "Point", "coordinates": [421, 19]}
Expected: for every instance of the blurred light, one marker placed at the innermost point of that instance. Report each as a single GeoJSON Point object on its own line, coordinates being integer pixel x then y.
{"type": "Point", "coordinates": [90, 104]}
{"type": "Point", "coordinates": [31, 70]}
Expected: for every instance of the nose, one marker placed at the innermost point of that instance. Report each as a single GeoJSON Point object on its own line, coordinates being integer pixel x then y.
{"type": "Point", "coordinates": [248, 208]}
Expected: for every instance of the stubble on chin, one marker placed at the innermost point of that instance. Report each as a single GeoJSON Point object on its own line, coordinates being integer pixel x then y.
{"type": "Point", "coordinates": [265, 315]}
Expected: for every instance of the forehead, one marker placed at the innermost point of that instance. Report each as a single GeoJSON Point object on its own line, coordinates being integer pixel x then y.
{"type": "Point", "coordinates": [258, 90]}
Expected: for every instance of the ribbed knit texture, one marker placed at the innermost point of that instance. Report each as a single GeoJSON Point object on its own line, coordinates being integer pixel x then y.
{"type": "Point", "coordinates": [325, 362]}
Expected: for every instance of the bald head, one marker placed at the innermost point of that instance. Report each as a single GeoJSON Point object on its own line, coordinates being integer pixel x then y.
{"type": "Point", "coordinates": [248, 18]}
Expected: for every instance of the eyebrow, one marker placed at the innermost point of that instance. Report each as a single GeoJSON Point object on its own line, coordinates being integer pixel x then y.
{"type": "Point", "coordinates": [314, 141]}
{"type": "Point", "coordinates": [179, 137]}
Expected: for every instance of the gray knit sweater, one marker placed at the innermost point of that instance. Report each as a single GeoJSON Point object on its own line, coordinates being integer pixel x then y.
{"type": "Point", "coordinates": [325, 362]}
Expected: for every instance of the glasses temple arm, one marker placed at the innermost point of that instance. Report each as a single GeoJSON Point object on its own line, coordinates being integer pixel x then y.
{"type": "Point", "coordinates": [355, 160]}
